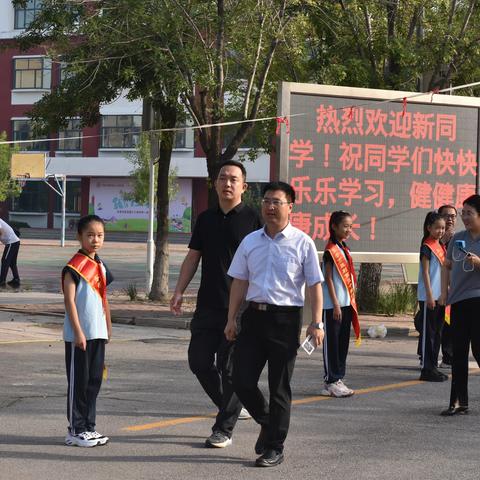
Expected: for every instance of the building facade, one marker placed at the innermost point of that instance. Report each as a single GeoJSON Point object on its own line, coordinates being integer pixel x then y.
{"type": "Point", "coordinates": [97, 165]}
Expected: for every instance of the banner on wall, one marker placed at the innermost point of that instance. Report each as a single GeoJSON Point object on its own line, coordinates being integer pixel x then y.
{"type": "Point", "coordinates": [107, 201]}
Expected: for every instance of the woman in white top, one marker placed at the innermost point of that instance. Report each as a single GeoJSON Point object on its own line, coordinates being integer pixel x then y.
{"type": "Point", "coordinates": [10, 253]}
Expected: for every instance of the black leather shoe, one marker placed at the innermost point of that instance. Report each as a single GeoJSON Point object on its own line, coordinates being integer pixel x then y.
{"type": "Point", "coordinates": [461, 410]}
{"type": "Point", "coordinates": [261, 441]}
{"type": "Point", "coordinates": [270, 458]}
{"type": "Point", "coordinates": [432, 376]}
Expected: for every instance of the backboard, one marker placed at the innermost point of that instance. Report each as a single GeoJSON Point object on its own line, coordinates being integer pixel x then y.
{"type": "Point", "coordinates": [28, 166]}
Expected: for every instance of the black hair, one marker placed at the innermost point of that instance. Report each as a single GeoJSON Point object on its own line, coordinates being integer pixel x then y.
{"type": "Point", "coordinates": [233, 163]}
{"type": "Point", "coordinates": [335, 219]}
{"type": "Point", "coordinates": [430, 219]}
{"type": "Point", "coordinates": [473, 201]}
{"type": "Point", "coordinates": [85, 221]}
{"type": "Point", "coordinates": [444, 207]}
{"type": "Point", "coordinates": [284, 187]}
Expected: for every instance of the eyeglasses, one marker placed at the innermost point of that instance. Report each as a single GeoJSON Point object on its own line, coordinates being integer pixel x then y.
{"type": "Point", "coordinates": [273, 201]}
{"type": "Point", "coordinates": [451, 216]}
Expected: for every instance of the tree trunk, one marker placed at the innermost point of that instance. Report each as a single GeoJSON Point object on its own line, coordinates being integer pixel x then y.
{"type": "Point", "coordinates": [159, 290]}
{"type": "Point", "coordinates": [212, 166]}
{"type": "Point", "coordinates": [368, 286]}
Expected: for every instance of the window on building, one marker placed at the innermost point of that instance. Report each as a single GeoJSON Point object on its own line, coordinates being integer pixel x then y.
{"type": "Point", "coordinates": [25, 15]}
{"type": "Point", "coordinates": [73, 199]}
{"type": "Point", "coordinates": [180, 139]}
{"type": "Point", "coordinates": [68, 138]}
{"type": "Point", "coordinates": [22, 130]}
{"type": "Point", "coordinates": [34, 198]}
{"type": "Point", "coordinates": [121, 131]}
{"type": "Point", "coordinates": [33, 72]}
{"type": "Point", "coordinates": [228, 132]}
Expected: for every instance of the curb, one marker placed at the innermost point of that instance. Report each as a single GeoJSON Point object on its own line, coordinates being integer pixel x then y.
{"type": "Point", "coordinates": [182, 322]}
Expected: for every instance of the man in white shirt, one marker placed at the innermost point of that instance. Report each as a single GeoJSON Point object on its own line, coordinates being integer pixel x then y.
{"type": "Point", "coordinates": [10, 253]}
{"type": "Point", "coordinates": [270, 270]}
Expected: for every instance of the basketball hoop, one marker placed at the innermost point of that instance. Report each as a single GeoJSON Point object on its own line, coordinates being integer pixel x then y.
{"type": "Point", "coordinates": [22, 179]}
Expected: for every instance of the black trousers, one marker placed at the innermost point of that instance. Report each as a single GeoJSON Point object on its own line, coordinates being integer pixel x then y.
{"type": "Point", "coordinates": [9, 261]}
{"type": "Point", "coordinates": [84, 375]}
{"type": "Point", "coordinates": [271, 337]}
{"type": "Point", "coordinates": [336, 343]}
{"type": "Point", "coordinates": [447, 348]}
{"type": "Point", "coordinates": [429, 325]}
{"type": "Point", "coordinates": [465, 327]}
{"type": "Point", "coordinates": [210, 359]}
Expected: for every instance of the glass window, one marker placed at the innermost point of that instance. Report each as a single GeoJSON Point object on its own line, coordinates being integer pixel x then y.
{"type": "Point", "coordinates": [73, 199]}
{"type": "Point", "coordinates": [228, 133]}
{"type": "Point", "coordinates": [22, 130]}
{"type": "Point", "coordinates": [34, 198]}
{"type": "Point", "coordinates": [32, 72]}
{"type": "Point", "coordinates": [67, 140]}
{"type": "Point", "coordinates": [180, 139]}
{"type": "Point", "coordinates": [121, 131]}
{"type": "Point", "coordinates": [25, 15]}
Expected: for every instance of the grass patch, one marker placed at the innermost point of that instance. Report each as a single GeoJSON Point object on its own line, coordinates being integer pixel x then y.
{"type": "Point", "coordinates": [398, 298]}
{"type": "Point", "coordinates": [131, 291]}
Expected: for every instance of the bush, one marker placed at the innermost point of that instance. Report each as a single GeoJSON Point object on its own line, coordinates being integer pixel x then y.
{"type": "Point", "coordinates": [399, 298]}
{"type": "Point", "coordinates": [131, 291]}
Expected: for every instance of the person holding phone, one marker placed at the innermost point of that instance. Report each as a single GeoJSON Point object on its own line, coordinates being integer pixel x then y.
{"type": "Point", "coordinates": [461, 290]}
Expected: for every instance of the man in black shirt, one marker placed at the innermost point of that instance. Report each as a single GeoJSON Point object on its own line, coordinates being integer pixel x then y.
{"type": "Point", "coordinates": [216, 236]}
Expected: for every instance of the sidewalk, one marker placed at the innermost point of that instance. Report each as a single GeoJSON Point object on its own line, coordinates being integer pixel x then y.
{"type": "Point", "coordinates": [141, 313]}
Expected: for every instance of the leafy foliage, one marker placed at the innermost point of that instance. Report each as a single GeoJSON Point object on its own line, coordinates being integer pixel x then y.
{"type": "Point", "coordinates": [8, 186]}
{"type": "Point", "coordinates": [400, 44]}
{"type": "Point", "coordinates": [140, 160]}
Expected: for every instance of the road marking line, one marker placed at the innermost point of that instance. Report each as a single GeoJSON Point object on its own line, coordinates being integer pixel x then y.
{"type": "Point", "coordinates": [361, 391]}
{"type": "Point", "coordinates": [300, 401]}
{"type": "Point", "coordinates": [168, 423]}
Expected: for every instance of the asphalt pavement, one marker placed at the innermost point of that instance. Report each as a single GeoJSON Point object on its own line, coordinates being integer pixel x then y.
{"type": "Point", "coordinates": [158, 417]}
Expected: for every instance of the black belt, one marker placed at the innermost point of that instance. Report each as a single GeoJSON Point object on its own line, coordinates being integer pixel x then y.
{"type": "Point", "coordinates": [267, 307]}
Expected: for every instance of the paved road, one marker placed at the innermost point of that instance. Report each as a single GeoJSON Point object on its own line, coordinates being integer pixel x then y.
{"type": "Point", "coordinates": [41, 261]}
{"type": "Point", "coordinates": [154, 411]}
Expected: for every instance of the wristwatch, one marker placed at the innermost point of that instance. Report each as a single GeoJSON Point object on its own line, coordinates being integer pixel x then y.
{"type": "Point", "coordinates": [318, 325]}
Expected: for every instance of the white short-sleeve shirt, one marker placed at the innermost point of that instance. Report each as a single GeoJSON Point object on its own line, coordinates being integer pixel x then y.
{"type": "Point", "coordinates": [7, 235]}
{"type": "Point", "coordinates": [278, 268]}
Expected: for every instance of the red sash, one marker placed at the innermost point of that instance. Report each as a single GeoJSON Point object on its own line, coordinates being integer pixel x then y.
{"type": "Point", "coordinates": [344, 269]}
{"type": "Point", "coordinates": [439, 251]}
{"type": "Point", "coordinates": [92, 272]}
{"type": "Point", "coordinates": [437, 248]}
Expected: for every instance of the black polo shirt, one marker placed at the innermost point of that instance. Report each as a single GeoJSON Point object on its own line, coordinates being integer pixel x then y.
{"type": "Point", "coordinates": [217, 236]}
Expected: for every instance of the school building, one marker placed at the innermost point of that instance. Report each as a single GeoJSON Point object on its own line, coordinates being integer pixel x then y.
{"type": "Point", "coordinates": [97, 165]}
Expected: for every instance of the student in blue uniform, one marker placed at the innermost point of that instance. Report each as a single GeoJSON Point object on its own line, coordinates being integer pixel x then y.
{"type": "Point", "coordinates": [339, 307]}
{"type": "Point", "coordinates": [431, 315]}
{"type": "Point", "coordinates": [87, 329]}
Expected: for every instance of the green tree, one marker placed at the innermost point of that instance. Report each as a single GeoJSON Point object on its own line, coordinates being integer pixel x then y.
{"type": "Point", "coordinates": [162, 51]}
{"type": "Point", "coordinates": [140, 161]}
{"type": "Point", "coordinates": [8, 187]}
{"type": "Point", "coordinates": [410, 45]}
{"type": "Point", "coordinates": [107, 47]}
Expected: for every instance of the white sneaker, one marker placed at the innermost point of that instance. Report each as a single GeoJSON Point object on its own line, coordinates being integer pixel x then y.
{"type": "Point", "coordinates": [337, 390]}
{"type": "Point", "coordinates": [84, 439]}
{"type": "Point", "coordinates": [218, 440]}
{"type": "Point", "coordinates": [347, 390]}
{"type": "Point", "coordinates": [102, 439]}
{"type": "Point", "coordinates": [244, 414]}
